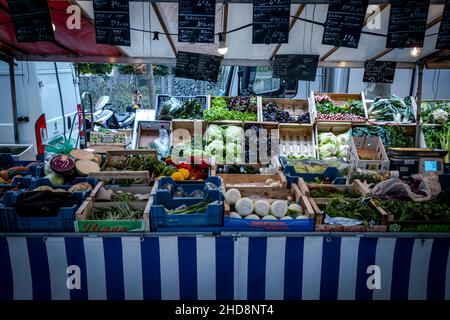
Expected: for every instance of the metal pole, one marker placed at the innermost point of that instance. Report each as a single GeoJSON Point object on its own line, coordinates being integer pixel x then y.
{"type": "Point", "coordinates": [419, 102]}
{"type": "Point", "coordinates": [12, 82]}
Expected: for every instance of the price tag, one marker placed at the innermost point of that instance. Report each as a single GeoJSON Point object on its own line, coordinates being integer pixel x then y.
{"type": "Point", "coordinates": [295, 67]}
{"type": "Point", "coordinates": [271, 21]}
{"type": "Point", "coordinates": [112, 22]}
{"type": "Point", "coordinates": [379, 71]}
{"type": "Point", "coordinates": [196, 21]}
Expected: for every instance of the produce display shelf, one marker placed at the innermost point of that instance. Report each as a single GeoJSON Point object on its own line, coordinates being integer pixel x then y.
{"type": "Point", "coordinates": [227, 99]}
{"type": "Point", "coordinates": [161, 98]}
{"type": "Point", "coordinates": [295, 107]}
{"type": "Point", "coordinates": [385, 123]}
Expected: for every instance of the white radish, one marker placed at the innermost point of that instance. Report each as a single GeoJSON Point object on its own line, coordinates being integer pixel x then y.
{"type": "Point", "coordinates": [244, 206]}
{"type": "Point", "coordinates": [262, 208]}
{"type": "Point", "coordinates": [279, 208]}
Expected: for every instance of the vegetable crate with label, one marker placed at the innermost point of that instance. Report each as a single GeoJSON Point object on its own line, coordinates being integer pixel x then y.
{"type": "Point", "coordinates": [286, 112]}
{"type": "Point", "coordinates": [149, 131]}
{"type": "Point", "coordinates": [350, 215]}
{"type": "Point", "coordinates": [368, 153]}
{"type": "Point", "coordinates": [321, 194]}
{"type": "Point", "coordinates": [121, 194]}
{"type": "Point", "coordinates": [297, 142]}
{"type": "Point", "coordinates": [183, 131]}
{"type": "Point", "coordinates": [258, 209]}
{"type": "Point", "coordinates": [40, 212]}
{"type": "Point", "coordinates": [103, 217]}
{"type": "Point", "coordinates": [337, 107]}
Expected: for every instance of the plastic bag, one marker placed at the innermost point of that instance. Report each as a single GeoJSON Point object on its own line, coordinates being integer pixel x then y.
{"type": "Point", "coordinates": [426, 188]}
{"type": "Point", "coordinates": [168, 108]}
{"type": "Point", "coordinates": [341, 221]}
{"type": "Point", "coordinates": [59, 145]}
{"type": "Point", "coordinates": [162, 144]}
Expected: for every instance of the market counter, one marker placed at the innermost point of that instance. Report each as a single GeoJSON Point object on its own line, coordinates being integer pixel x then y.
{"type": "Point", "coordinates": [253, 267]}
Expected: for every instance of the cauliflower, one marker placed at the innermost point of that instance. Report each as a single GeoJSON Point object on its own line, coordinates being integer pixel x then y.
{"type": "Point", "coordinates": [215, 148]}
{"type": "Point", "coordinates": [233, 134]}
{"type": "Point", "coordinates": [440, 116]}
{"type": "Point", "coordinates": [214, 133]}
{"type": "Point", "coordinates": [328, 150]}
{"type": "Point", "coordinates": [344, 138]}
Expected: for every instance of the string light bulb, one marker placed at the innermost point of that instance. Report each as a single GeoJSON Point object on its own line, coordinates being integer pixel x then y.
{"type": "Point", "coordinates": [415, 52]}
{"type": "Point", "coordinates": [222, 49]}
{"type": "Point", "coordinates": [54, 27]}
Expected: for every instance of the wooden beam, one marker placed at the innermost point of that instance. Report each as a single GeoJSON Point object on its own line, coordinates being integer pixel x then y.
{"type": "Point", "coordinates": [11, 47]}
{"type": "Point", "coordinates": [369, 18]}
{"type": "Point", "coordinates": [432, 56]}
{"type": "Point", "coordinates": [291, 25]}
{"type": "Point", "coordinates": [387, 50]}
{"type": "Point", "coordinates": [164, 27]}
{"type": "Point", "coordinates": [419, 103]}
{"type": "Point", "coordinates": [225, 21]}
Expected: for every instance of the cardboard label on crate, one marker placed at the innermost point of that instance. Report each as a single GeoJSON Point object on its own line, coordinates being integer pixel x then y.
{"type": "Point", "coordinates": [109, 226]}
{"type": "Point", "coordinates": [196, 21]}
{"type": "Point", "coordinates": [109, 138]}
{"type": "Point", "coordinates": [412, 226]}
{"type": "Point", "coordinates": [407, 23]}
{"type": "Point", "coordinates": [443, 40]}
{"type": "Point", "coordinates": [344, 23]}
{"type": "Point", "coordinates": [271, 21]}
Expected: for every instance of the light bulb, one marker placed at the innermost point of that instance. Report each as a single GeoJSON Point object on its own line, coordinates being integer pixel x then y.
{"type": "Point", "coordinates": [415, 52]}
{"type": "Point", "coordinates": [54, 27]}
{"type": "Point", "coordinates": [223, 49]}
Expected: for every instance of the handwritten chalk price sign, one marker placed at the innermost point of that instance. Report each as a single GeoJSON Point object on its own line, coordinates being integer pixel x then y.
{"type": "Point", "coordinates": [271, 21]}
{"type": "Point", "coordinates": [31, 20]}
{"type": "Point", "coordinates": [379, 71]}
{"type": "Point", "coordinates": [345, 19]}
{"type": "Point", "coordinates": [197, 66]}
{"type": "Point", "coordinates": [112, 22]}
{"type": "Point", "coordinates": [443, 40]}
{"type": "Point", "coordinates": [295, 67]}
{"type": "Point", "coordinates": [196, 21]}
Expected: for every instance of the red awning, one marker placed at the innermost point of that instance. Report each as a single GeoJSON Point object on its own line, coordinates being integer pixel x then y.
{"type": "Point", "coordinates": [67, 42]}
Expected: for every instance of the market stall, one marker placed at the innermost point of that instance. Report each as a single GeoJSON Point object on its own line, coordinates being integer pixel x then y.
{"type": "Point", "coordinates": [208, 204]}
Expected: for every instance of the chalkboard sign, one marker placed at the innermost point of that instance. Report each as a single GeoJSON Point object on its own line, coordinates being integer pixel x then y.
{"type": "Point", "coordinates": [407, 23]}
{"type": "Point", "coordinates": [196, 21]}
{"type": "Point", "coordinates": [271, 21]}
{"type": "Point", "coordinates": [379, 71]}
{"type": "Point", "coordinates": [31, 20]}
{"type": "Point", "coordinates": [112, 22]}
{"type": "Point", "coordinates": [295, 66]}
{"type": "Point", "coordinates": [443, 40]}
{"type": "Point", "coordinates": [345, 19]}
{"type": "Point", "coordinates": [197, 66]}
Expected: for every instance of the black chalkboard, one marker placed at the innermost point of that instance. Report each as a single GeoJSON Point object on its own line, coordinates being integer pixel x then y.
{"type": "Point", "coordinates": [31, 20]}
{"type": "Point", "coordinates": [196, 21]}
{"type": "Point", "coordinates": [443, 40]}
{"type": "Point", "coordinates": [379, 71]}
{"type": "Point", "coordinates": [407, 23]}
{"type": "Point", "coordinates": [271, 21]}
{"type": "Point", "coordinates": [295, 66]}
{"type": "Point", "coordinates": [112, 22]}
{"type": "Point", "coordinates": [197, 66]}
{"type": "Point", "coordinates": [345, 19]}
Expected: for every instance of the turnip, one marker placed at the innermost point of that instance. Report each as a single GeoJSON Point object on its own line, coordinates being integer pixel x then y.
{"type": "Point", "coordinates": [252, 217]}
{"type": "Point", "coordinates": [279, 208]}
{"type": "Point", "coordinates": [232, 196]}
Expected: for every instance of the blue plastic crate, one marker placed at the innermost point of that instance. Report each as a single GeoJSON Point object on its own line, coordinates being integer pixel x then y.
{"type": "Point", "coordinates": [79, 196]}
{"type": "Point", "coordinates": [7, 161]}
{"type": "Point", "coordinates": [190, 186]}
{"type": "Point", "coordinates": [24, 182]}
{"type": "Point", "coordinates": [160, 219]}
{"type": "Point", "coordinates": [292, 176]}
{"type": "Point", "coordinates": [62, 222]}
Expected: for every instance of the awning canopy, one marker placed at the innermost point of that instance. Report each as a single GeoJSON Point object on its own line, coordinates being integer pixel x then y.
{"type": "Point", "coordinates": [147, 15]}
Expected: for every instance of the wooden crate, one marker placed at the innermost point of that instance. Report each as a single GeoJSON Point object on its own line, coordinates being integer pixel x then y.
{"type": "Point", "coordinates": [321, 227]}
{"type": "Point", "coordinates": [183, 131]}
{"type": "Point", "coordinates": [85, 221]}
{"type": "Point", "coordinates": [132, 190]}
{"type": "Point", "coordinates": [271, 195]}
{"type": "Point", "coordinates": [410, 128]}
{"type": "Point", "coordinates": [148, 131]}
{"type": "Point", "coordinates": [432, 101]}
{"type": "Point", "coordinates": [414, 106]}
{"type": "Point", "coordinates": [297, 141]}
{"type": "Point", "coordinates": [249, 181]}
{"type": "Point", "coordinates": [227, 98]}
{"type": "Point", "coordinates": [122, 175]}
{"type": "Point", "coordinates": [295, 107]}
{"type": "Point", "coordinates": [339, 99]}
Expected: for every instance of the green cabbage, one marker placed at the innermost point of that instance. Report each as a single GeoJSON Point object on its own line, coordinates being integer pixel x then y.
{"type": "Point", "coordinates": [233, 134]}
{"type": "Point", "coordinates": [327, 137]}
